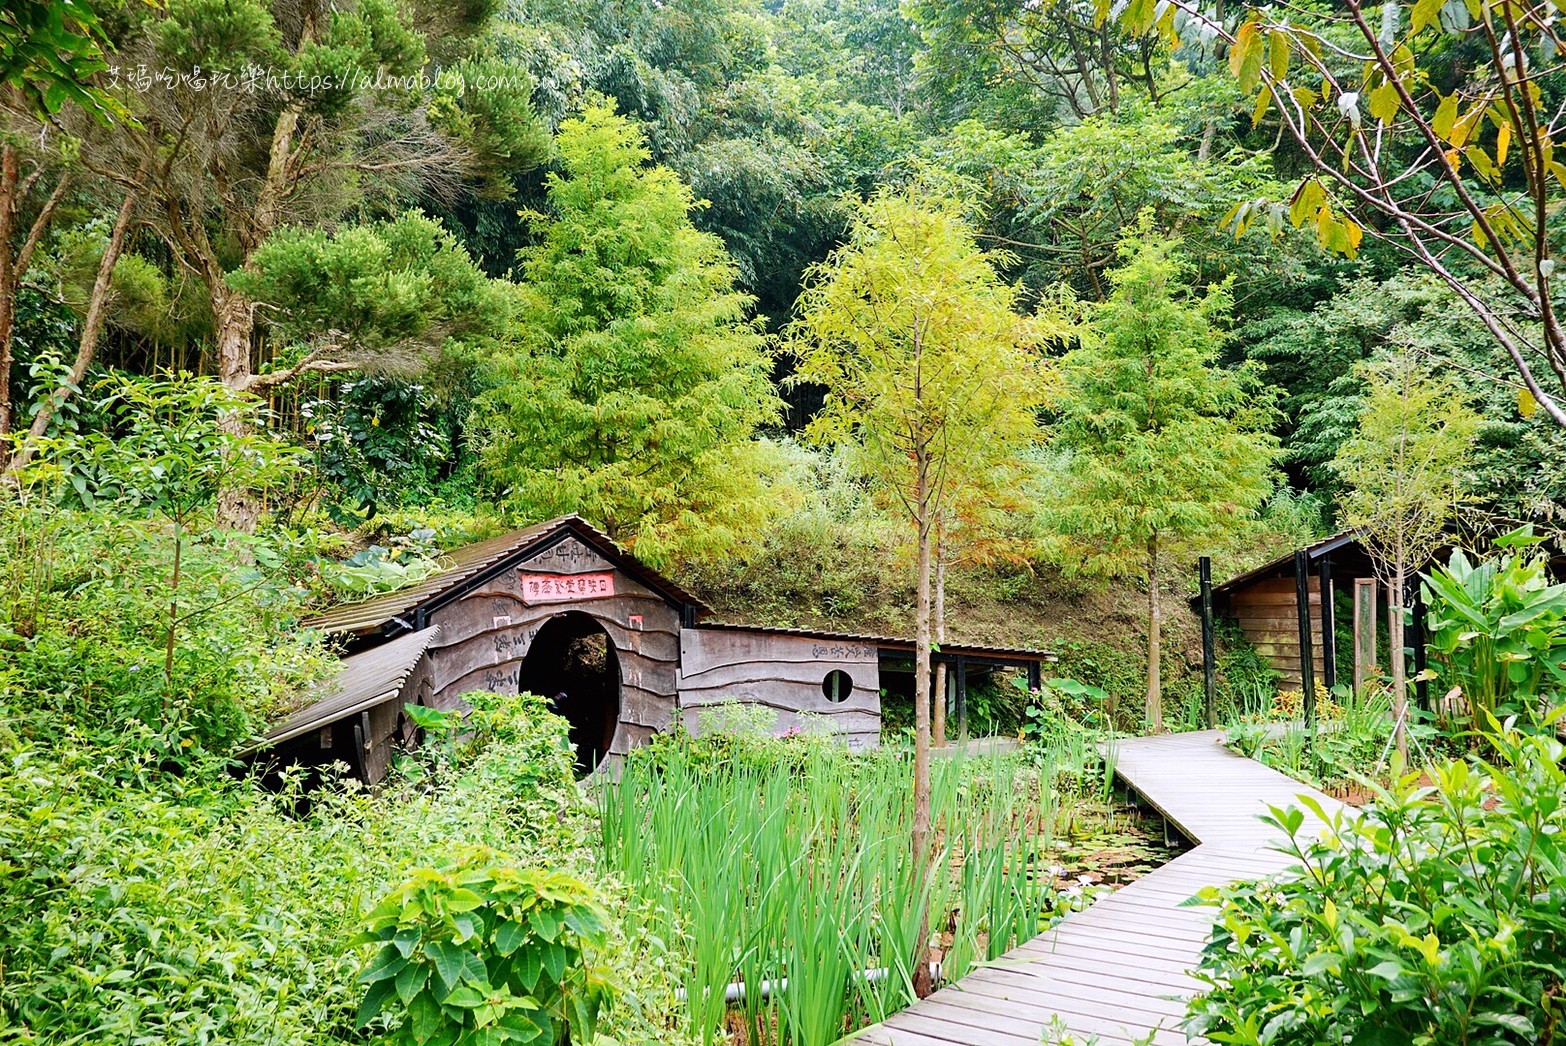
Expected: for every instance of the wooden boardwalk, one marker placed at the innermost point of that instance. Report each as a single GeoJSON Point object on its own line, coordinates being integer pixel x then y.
{"type": "Point", "coordinates": [1120, 969]}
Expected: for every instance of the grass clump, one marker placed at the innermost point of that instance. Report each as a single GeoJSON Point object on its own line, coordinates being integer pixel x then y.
{"type": "Point", "coordinates": [787, 863]}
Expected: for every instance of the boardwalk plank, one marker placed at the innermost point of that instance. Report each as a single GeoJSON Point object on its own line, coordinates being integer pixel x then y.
{"type": "Point", "coordinates": [1121, 967]}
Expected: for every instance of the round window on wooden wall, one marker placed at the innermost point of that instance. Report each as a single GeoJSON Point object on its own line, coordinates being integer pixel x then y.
{"type": "Point", "coordinates": [837, 685]}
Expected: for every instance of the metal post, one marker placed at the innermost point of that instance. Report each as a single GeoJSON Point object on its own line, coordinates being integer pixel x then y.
{"type": "Point", "coordinates": [1035, 675]}
{"type": "Point", "coordinates": [1302, 606]}
{"type": "Point", "coordinates": [1329, 625]}
{"type": "Point", "coordinates": [1204, 568]}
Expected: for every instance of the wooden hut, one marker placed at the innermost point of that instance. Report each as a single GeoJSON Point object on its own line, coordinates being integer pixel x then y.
{"type": "Point", "coordinates": [1289, 610]}
{"type": "Point", "coordinates": [557, 609]}
{"type": "Point", "coordinates": [836, 676]}
{"type": "Point", "coordinates": [560, 610]}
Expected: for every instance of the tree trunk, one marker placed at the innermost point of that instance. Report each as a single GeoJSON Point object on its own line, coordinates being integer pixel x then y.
{"type": "Point", "coordinates": [9, 278]}
{"type": "Point", "coordinates": [1155, 696]}
{"type": "Point", "coordinates": [234, 322]}
{"type": "Point", "coordinates": [1399, 666]}
{"type": "Point", "coordinates": [233, 313]}
{"type": "Point", "coordinates": [921, 823]}
{"type": "Point", "coordinates": [14, 263]}
{"type": "Point", "coordinates": [87, 344]}
{"type": "Point", "coordinates": [938, 725]}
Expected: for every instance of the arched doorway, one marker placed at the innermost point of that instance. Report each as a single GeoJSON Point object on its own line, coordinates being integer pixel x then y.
{"type": "Point", "coordinates": [572, 663]}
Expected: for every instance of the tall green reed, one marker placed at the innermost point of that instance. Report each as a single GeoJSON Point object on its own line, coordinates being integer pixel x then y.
{"type": "Point", "coordinates": [790, 863]}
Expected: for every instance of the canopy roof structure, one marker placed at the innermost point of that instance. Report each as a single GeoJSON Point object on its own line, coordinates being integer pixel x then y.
{"type": "Point", "coordinates": [897, 644]}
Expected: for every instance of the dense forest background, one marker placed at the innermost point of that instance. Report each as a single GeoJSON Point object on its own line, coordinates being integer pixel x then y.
{"type": "Point", "coordinates": [486, 262]}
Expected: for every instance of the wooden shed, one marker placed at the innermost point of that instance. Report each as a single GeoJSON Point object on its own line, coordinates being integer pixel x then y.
{"type": "Point", "coordinates": [1271, 602]}
{"type": "Point", "coordinates": [838, 677]}
{"type": "Point", "coordinates": [557, 609]}
{"type": "Point", "coordinates": [358, 718]}
{"type": "Point", "coordinates": [560, 610]}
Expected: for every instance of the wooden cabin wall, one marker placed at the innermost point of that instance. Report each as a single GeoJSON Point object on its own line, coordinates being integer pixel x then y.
{"type": "Point", "coordinates": [390, 727]}
{"type": "Point", "coordinates": [1269, 617]}
{"type": "Point", "coordinates": [785, 674]}
{"type": "Point", "coordinates": [486, 634]}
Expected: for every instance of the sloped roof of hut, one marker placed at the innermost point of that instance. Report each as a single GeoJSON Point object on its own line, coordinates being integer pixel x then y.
{"type": "Point", "coordinates": [362, 682]}
{"type": "Point", "coordinates": [472, 565]}
{"type": "Point", "coordinates": [1284, 564]}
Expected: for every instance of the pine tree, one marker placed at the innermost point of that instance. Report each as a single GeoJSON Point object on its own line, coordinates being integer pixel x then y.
{"type": "Point", "coordinates": [638, 376]}
{"type": "Point", "coordinates": [1166, 449]}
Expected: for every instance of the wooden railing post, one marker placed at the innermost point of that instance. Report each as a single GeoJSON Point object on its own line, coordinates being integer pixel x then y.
{"type": "Point", "coordinates": [1209, 655]}
{"type": "Point", "coordinates": [1364, 632]}
{"type": "Point", "coordinates": [1302, 606]}
{"type": "Point", "coordinates": [1329, 625]}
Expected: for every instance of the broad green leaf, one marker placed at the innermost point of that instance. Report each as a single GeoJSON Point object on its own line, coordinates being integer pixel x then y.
{"type": "Point", "coordinates": [1445, 117]}
{"type": "Point", "coordinates": [450, 961]}
{"type": "Point", "coordinates": [374, 1000]}
{"type": "Point", "coordinates": [388, 962]}
{"type": "Point", "coordinates": [1278, 53]}
{"type": "Point", "coordinates": [1245, 57]}
{"type": "Point", "coordinates": [1263, 99]}
{"type": "Point", "coordinates": [1425, 12]}
{"type": "Point", "coordinates": [509, 936]}
{"type": "Point", "coordinates": [1308, 199]}
{"type": "Point", "coordinates": [411, 981]}
{"type": "Point", "coordinates": [1385, 103]}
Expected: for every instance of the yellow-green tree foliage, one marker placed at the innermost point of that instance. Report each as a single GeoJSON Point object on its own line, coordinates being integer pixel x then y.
{"type": "Point", "coordinates": [1405, 470]}
{"type": "Point", "coordinates": [1166, 449]}
{"type": "Point", "coordinates": [637, 376]}
{"type": "Point", "coordinates": [930, 379]}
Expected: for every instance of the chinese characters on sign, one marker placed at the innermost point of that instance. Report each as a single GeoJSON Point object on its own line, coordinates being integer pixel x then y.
{"type": "Point", "coordinates": [560, 588]}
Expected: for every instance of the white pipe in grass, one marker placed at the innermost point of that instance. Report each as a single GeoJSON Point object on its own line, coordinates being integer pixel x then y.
{"type": "Point", "coordinates": [735, 992]}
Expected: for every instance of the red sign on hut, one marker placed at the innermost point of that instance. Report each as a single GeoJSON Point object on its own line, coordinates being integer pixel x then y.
{"type": "Point", "coordinates": [562, 588]}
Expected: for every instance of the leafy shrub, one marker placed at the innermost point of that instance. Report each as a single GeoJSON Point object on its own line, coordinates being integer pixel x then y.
{"type": "Point", "coordinates": [378, 569]}
{"type": "Point", "coordinates": [1497, 630]}
{"type": "Point", "coordinates": [482, 951]}
{"type": "Point", "coordinates": [85, 631]}
{"type": "Point", "coordinates": [192, 909]}
{"type": "Point", "coordinates": [1289, 706]}
{"type": "Point", "coordinates": [732, 734]}
{"type": "Point", "coordinates": [1436, 917]}
{"type": "Point", "coordinates": [132, 608]}
{"type": "Point", "coordinates": [1352, 737]}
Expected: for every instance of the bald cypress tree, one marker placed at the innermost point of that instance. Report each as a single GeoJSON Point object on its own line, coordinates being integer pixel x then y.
{"type": "Point", "coordinates": [1166, 449]}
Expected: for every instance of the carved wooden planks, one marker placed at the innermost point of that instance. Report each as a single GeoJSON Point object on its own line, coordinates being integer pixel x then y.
{"type": "Point", "coordinates": [486, 635]}
{"type": "Point", "coordinates": [788, 674]}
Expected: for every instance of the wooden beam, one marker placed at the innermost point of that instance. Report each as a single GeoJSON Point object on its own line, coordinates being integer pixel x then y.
{"type": "Point", "coordinates": [962, 697]}
{"type": "Point", "coordinates": [1364, 632]}
{"type": "Point", "coordinates": [1416, 640]}
{"type": "Point", "coordinates": [1302, 604]}
{"type": "Point", "coordinates": [1209, 656]}
{"type": "Point", "coordinates": [1329, 625]}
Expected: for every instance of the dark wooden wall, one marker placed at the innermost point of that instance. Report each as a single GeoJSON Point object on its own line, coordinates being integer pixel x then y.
{"type": "Point", "coordinates": [485, 636]}
{"type": "Point", "coordinates": [1269, 616]}
{"type": "Point", "coordinates": [783, 673]}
